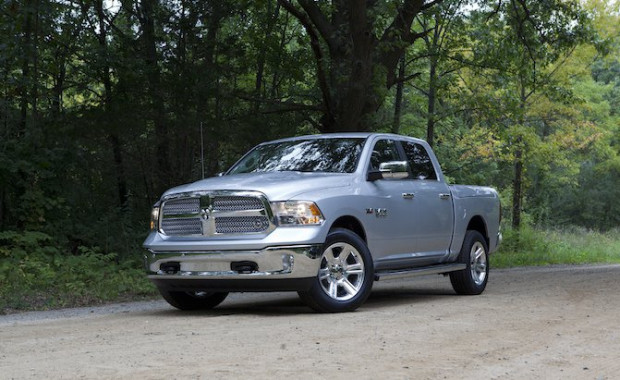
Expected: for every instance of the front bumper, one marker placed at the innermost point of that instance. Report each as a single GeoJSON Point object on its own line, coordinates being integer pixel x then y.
{"type": "Point", "coordinates": [273, 268]}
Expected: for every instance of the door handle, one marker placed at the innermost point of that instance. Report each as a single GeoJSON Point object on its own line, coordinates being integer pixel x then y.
{"type": "Point", "coordinates": [408, 195]}
{"type": "Point", "coordinates": [444, 195]}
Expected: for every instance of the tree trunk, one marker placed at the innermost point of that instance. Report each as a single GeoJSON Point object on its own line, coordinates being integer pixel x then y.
{"type": "Point", "coordinates": [433, 44]}
{"type": "Point", "coordinates": [398, 100]}
{"type": "Point", "coordinates": [153, 78]}
{"type": "Point", "coordinates": [57, 89]}
{"type": "Point", "coordinates": [517, 185]}
{"type": "Point", "coordinates": [516, 188]}
{"type": "Point", "coordinates": [361, 63]}
{"type": "Point", "coordinates": [26, 56]}
{"type": "Point", "coordinates": [432, 98]}
{"type": "Point", "coordinates": [35, 67]}
{"type": "Point", "coordinates": [106, 77]}
{"type": "Point", "coordinates": [262, 54]}
{"type": "Point", "coordinates": [275, 78]}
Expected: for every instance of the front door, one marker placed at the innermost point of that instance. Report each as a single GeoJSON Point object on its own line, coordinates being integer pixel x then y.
{"type": "Point", "coordinates": [433, 212]}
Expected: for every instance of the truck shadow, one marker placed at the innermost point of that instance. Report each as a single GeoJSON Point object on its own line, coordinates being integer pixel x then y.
{"type": "Point", "coordinates": [384, 298]}
{"type": "Point", "coordinates": [290, 304]}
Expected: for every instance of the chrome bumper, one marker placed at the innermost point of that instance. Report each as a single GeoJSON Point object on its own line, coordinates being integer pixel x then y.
{"type": "Point", "coordinates": [294, 262]}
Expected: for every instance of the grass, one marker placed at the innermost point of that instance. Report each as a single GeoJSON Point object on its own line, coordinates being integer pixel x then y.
{"type": "Point", "coordinates": [534, 247]}
{"type": "Point", "coordinates": [37, 274]}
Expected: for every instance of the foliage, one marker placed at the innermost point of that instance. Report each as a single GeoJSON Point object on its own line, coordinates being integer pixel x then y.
{"type": "Point", "coordinates": [576, 245]}
{"type": "Point", "coordinates": [36, 274]}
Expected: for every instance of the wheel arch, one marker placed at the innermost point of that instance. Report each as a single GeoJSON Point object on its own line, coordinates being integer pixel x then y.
{"type": "Point", "coordinates": [477, 223]}
{"type": "Point", "coordinates": [350, 223]}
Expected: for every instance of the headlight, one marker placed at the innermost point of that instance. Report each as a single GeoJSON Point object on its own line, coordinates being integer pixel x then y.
{"type": "Point", "coordinates": [155, 217]}
{"type": "Point", "coordinates": [295, 213]}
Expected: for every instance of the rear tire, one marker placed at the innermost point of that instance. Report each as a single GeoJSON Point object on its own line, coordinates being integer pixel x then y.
{"type": "Point", "coordinates": [475, 254]}
{"type": "Point", "coordinates": [197, 300]}
{"type": "Point", "coordinates": [345, 275]}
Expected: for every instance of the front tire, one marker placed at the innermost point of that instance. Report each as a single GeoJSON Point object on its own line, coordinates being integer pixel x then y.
{"type": "Point", "coordinates": [345, 276]}
{"type": "Point", "coordinates": [196, 300]}
{"type": "Point", "coordinates": [475, 254]}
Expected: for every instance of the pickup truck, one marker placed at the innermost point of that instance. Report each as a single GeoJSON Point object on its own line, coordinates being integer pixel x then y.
{"type": "Point", "coordinates": [323, 215]}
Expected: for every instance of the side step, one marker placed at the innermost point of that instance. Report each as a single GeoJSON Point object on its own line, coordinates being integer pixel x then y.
{"type": "Point", "coordinates": [433, 269]}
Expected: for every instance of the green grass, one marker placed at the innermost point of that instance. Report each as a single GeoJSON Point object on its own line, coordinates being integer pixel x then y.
{"type": "Point", "coordinates": [533, 247]}
{"type": "Point", "coordinates": [38, 274]}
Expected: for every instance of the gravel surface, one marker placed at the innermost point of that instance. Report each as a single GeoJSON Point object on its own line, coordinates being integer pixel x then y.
{"type": "Point", "coordinates": [551, 323]}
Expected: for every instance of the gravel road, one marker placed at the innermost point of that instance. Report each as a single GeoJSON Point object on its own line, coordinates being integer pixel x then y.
{"type": "Point", "coordinates": [544, 323]}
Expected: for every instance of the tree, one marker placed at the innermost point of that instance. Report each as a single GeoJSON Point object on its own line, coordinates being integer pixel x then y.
{"type": "Point", "coordinates": [357, 45]}
{"type": "Point", "coordinates": [526, 42]}
{"type": "Point", "coordinates": [443, 50]}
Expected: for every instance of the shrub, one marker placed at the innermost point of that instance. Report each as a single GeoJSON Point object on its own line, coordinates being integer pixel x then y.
{"type": "Point", "coordinates": [574, 245]}
{"type": "Point", "coordinates": [35, 273]}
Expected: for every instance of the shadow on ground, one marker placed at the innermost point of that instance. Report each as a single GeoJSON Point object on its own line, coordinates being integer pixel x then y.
{"type": "Point", "coordinates": [279, 304]}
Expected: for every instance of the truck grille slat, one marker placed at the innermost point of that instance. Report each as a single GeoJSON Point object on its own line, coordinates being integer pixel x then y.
{"type": "Point", "coordinates": [184, 226]}
{"type": "Point", "coordinates": [198, 214]}
{"type": "Point", "coordinates": [182, 206]}
{"type": "Point", "coordinates": [241, 224]}
{"type": "Point", "coordinates": [236, 203]}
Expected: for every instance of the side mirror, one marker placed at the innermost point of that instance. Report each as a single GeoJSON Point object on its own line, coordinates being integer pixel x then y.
{"type": "Point", "coordinates": [390, 170]}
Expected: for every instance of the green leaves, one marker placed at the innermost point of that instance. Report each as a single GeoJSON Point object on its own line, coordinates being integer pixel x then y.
{"type": "Point", "coordinates": [35, 272]}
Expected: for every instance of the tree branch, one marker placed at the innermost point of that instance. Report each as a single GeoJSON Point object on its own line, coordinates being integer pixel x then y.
{"type": "Point", "coordinates": [495, 12]}
{"type": "Point", "coordinates": [316, 49]}
{"type": "Point", "coordinates": [430, 5]}
{"type": "Point", "coordinates": [407, 78]}
{"type": "Point", "coordinates": [289, 106]}
{"type": "Point", "coordinates": [321, 23]}
{"type": "Point", "coordinates": [398, 36]}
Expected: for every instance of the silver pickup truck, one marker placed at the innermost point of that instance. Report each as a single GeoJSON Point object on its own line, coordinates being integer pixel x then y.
{"type": "Point", "coordinates": [323, 215]}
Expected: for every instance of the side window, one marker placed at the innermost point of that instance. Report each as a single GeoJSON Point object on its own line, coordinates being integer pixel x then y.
{"type": "Point", "coordinates": [419, 161]}
{"type": "Point", "coordinates": [384, 151]}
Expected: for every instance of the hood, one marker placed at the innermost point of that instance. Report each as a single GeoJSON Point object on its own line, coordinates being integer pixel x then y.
{"type": "Point", "coordinates": [277, 186]}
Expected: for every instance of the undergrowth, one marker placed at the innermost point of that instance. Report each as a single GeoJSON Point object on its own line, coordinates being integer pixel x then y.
{"type": "Point", "coordinates": [534, 247]}
{"type": "Point", "coordinates": [37, 273]}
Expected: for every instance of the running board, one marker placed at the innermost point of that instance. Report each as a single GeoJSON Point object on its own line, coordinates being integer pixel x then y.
{"type": "Point", "coordinates": [434, 269]}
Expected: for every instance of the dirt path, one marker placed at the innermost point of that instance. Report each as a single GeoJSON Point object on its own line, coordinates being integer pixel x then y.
{"type": "Point", "coordinates": [545, 323]}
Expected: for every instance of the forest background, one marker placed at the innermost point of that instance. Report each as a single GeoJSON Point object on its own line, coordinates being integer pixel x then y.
{"type": "Point", "coordinates": [104, 104]}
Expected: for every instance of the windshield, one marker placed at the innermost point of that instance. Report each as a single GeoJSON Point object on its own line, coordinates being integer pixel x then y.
{"type": "Point", "coordinates": [331, 155]}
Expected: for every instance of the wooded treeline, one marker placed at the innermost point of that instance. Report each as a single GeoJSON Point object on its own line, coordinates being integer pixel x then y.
{"type": "Point", "coordinates": [103, 102]}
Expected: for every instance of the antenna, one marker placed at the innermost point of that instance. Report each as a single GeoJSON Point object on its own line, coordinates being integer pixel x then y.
{"type": "Point", "coordinates": [202, 152]}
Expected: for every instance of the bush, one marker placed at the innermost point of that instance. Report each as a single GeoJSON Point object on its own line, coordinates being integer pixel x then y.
{"type": "Point", "coordinates": [35, 273]}
{"type": "Point", "coordinates": [574, 245]}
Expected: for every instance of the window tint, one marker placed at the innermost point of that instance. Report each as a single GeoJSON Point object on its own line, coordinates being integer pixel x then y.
{"type": "Point", "coordinates": [419, 161]}
{"type": "Point", "coordinates": [384, 151]}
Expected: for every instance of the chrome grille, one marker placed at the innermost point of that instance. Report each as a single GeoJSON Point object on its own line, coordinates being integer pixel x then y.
{"type": "Point", "coordinates": [234, 203]}
{"type": "Point", "coordinates": [182, 226]}
{"type": "Point", "coordinates": [182, 206]}
{"type": "Point", "coordinates": [240, 224]}
{"type": "Point", "coordinates": [216, 213]}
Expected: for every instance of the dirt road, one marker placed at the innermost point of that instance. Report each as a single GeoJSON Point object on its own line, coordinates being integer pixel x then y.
{"type": "Point", "coordinates": [543, 323]}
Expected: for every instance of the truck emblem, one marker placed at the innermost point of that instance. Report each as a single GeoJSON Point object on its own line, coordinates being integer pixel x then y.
{"type": "Point", "coordinates": [379, 212]}
{"type": "Point", "coordinates": [205, 213]}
